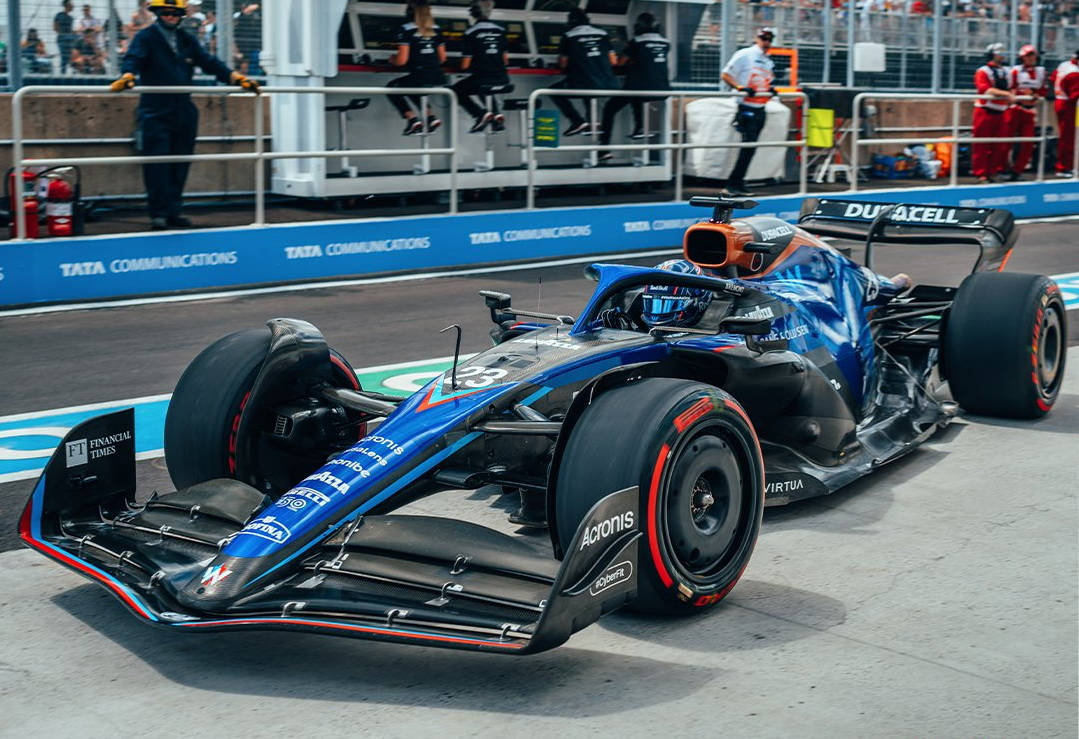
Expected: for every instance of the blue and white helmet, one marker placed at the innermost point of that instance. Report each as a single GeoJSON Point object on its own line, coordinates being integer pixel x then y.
{"type": "Point", "coordinates": [672, 305]}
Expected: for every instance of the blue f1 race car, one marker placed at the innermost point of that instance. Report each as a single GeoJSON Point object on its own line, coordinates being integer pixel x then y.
{"type": "Point", "coordinates": [649, 433]}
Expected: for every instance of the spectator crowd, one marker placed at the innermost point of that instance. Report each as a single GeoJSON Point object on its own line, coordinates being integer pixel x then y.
{"type": "Point", "coordinates": [80, 39]}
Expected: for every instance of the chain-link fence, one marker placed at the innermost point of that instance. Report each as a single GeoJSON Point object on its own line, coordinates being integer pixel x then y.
{"type": "Point", "coordinates": [904, 27]}
{"type": "Point", "coordinates": [64, 41]}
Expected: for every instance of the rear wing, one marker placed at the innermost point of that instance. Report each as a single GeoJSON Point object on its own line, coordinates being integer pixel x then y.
{"type": "Point", "coordinates": [992, 230]}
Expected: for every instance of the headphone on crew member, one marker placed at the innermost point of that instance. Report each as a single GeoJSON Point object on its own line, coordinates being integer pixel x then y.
{"type": "Point", "coordinates": [995, 52]}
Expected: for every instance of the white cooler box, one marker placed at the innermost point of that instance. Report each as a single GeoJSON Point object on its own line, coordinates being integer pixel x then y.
{"type": "Point", "coordinates": [711, 121]}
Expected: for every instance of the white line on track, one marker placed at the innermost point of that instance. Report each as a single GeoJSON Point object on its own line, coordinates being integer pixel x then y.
{"type": "Point", "coordinates": [88, 407]}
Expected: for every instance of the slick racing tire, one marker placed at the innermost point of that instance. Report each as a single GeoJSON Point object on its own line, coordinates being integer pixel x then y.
{"type": "Point", "coordinates": [1005, 344]}
{"type": "Point", "coordinates": [693, 453]}
{"type": "Point", "coordinates": [204, 413]}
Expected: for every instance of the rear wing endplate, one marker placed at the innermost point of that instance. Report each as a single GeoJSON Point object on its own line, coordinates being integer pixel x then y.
{"type": "Point", "coordinates": [992, 230]}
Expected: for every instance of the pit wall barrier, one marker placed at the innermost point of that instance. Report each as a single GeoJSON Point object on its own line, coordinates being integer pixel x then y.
{"type": "Point", "coordinates": [100, 267]}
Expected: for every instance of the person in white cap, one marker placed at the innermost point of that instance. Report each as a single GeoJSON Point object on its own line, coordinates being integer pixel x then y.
{"type": "Point", "coordinates": [991, 82]}
{"type": "Point", "coordinates": [1025, 79]}
{"type": "Point", "coordinates": [751, 72]}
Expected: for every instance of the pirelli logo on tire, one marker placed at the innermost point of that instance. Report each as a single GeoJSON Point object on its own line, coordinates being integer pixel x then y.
{"type": "Point", "coordinates": [698, 410]}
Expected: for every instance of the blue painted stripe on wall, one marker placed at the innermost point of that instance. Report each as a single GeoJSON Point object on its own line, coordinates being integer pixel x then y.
{"type": "Point", "coordinates": [138, 264]}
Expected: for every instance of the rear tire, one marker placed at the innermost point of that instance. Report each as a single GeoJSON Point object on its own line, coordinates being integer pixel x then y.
{"type": "Point", "coordinates": [204, 413]}
{"type": "Point", "coordinates": [1005, 344]}
{"type": "Point", "coordinates": [682, 443]}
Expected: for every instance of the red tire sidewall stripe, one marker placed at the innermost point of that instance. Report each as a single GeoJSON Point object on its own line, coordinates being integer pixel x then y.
{"type": "Point", "coordinates": [653, 526]}
{"type": "Point", "coordinates": [694, 411]}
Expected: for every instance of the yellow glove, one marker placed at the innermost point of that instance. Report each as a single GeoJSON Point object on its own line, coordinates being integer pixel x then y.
{"type": "Point", "coordinates": [126, 82]}
{"type": "Point", "coordinates": [245, 82]}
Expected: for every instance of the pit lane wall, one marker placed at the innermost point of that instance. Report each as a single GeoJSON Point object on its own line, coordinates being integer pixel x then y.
{"type": "Point", "coordinates": [99, 267]}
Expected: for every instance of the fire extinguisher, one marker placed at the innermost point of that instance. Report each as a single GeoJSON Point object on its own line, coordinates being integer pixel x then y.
{"type": "Point", "coordinates": [59, 207]}
{"type": "Point", "coordinates": [61, 200]}
{"type": "Point", "coordinates": [22, 199]}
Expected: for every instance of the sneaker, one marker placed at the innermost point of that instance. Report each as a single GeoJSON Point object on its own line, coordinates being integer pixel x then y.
{"type": "Point", "coordinates": [1012, 177]}
{"type": "Point", "coordinates": [178, 222]}
{"type": "Point", "coordinates": [985, 180]}
{"type": "Point", "coordinates": [576, 128]}
{"type": "Point", "coordinates": [412, 127]}
{"type": "Point", "coordinates": [499, 123]}
{"type": "Point", "coordinates": [605, 156]}
{"type": "Point", "coordinates": [1065, 173]}
{"type": "Point", "coordinates": [159, 224]}
{"type": "Point", "coordinates": [736, 191]}
{"type": "Point", "coordinates": [637, 134]}
{"type": "Point", "coordinates": [433, 122]}
{"type": "Point", "coordinates": [480, 123]}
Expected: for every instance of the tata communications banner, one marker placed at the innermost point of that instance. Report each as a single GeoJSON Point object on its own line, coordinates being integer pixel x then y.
{"type": "Point", "coordinates": [138, 264]}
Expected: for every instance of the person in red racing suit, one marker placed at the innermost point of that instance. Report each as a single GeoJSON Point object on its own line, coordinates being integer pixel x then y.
{"type": "Point", "coordinates": [990, 159]}
{"type": "Point", "coordinates": [1066, 92]}
{"type": "Point", "coordinates": [1024, 80]}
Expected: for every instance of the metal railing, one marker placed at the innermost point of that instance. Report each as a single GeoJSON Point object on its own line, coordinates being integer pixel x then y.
{"type": "Point", "coordinates": [259, 156]}
{"type": "Point", "coordinates": [858, 141]}
{"type": "Point", "coordinates": [678, 145]}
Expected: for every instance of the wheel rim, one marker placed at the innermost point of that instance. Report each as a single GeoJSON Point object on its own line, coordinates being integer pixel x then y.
{"type": "Point", "coordinates": [707, 504]}
{"type": "Point", "coordinates": [1050, 352]}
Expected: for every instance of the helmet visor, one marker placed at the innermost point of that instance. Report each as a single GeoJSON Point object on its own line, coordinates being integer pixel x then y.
{"type": "Point", "coordinates": [659, 309]}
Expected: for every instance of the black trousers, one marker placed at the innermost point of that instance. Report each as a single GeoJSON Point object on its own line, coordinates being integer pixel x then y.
{"type": "Point", "coordinates": [411, 80]}
{"type": "Point", "coordinates": [614, 106]}
{"type": "Point", "coordinates": [471, 86]}
{"type": "Point", "coordinates": [167, 131]}
{"type": "Point", "coordinates": [749, 121]}
{"type": "Point", "coordinates": [569, 110]}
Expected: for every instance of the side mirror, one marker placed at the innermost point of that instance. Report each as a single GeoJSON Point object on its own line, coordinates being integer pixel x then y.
{"type": "Point", "coordinates": [751, 328]}
{"type": "Point", "coordinates": [499, 305]}
{"type": "Point", "coordinates": [496, 300]}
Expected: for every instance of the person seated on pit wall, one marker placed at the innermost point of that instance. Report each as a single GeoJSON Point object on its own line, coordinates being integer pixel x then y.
{"type": "Point", "coordinates": [485, 57]}
{"type": "Point", "coordinates": [422, 51]}
{"type": "Point", "coordinates": [586, 57]}
{"type": "Point", "coordinates": [645, 61]}
{"type": "Point", "coordinates": [166, 55]}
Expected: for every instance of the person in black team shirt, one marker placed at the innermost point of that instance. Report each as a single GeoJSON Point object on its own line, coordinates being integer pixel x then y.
{"type": "Point", "coordinates": [486, 57]}
{"type": "Point", "coordinates": [422, 51]}
{"type": "Point", "coordinates": [585, 55]}
{"type": "Point", "coordinates": [646, 69]}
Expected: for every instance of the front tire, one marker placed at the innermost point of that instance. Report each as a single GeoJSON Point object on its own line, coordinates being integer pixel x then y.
{"type": "Point", "coordinates": [694, 456]}
{"type": "Point", "coordinates": [1005, 344]}
{"type": "Point", "coordinates": [204, 413]}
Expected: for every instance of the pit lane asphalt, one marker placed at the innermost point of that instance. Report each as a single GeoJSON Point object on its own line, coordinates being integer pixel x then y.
{"type": "Point", "coordinates": [937, 596]}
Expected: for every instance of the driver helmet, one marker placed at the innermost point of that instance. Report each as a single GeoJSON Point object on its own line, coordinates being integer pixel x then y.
{"type": "Point", "coordinates": [673, 305]}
